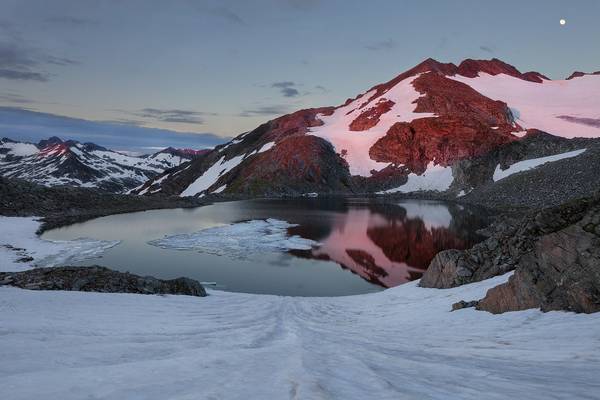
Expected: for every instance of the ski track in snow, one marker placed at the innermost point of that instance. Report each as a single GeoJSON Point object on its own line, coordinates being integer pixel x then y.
{"type": "Point", "coordinates": [402, 343]}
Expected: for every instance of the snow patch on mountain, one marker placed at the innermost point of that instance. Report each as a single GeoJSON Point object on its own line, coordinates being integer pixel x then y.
{"type": "Point", "coordinates": [435, 178]}
{"type": "Point", "coordinates": [526, 165]}
{"type": "Point", "coordinates": [240, 240]}
{"type": "Point", "coordinates": [540, 105]}
{"type": "Point", "coordinates": [354, 145]}
{"type": "Point", "coordinates": [217, 170]}
{"type": "Point", "coordinates": [211, 175]}
{"type": "Point", "coordinates": [19, 149]}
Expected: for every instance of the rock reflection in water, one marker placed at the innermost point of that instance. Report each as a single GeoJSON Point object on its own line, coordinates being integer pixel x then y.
{"type": "Point", "coordinates": [392, 244]}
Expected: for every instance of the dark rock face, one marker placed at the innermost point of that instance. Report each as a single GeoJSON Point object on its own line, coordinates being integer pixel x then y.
{"type": "Point", "coordinates": [98, 279]}
{"type": "Point", "coordinates": [561, 273]}
{"type": "Point", "coordinates": [509, 241]}
{"type": "Point", "coordinates": [301, 164]}
{"type": "Point", "coordinates": [555, 254]}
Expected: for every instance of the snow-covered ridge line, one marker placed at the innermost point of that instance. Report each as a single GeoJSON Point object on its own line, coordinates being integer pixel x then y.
{"type": "Point", "coordinates": [56, 162]}
{"type": "Point", "coordinates": [526, 165]}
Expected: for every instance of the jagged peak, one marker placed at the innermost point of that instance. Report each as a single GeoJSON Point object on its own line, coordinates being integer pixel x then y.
{"type": "Point", "coordinates": [50, 141]}
{"type": "Point", "coordinates": [469, 67]}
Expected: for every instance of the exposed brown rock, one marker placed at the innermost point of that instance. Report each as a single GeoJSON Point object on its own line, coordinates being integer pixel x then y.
{"type": "Point", "coordinates": [561, 273]}
{"type": "Point", "coordinates": [369, 118]}
{"type": "Point", "coordinates": [509, 242]}
{"type": "Point", "coordinates": [467, 124]}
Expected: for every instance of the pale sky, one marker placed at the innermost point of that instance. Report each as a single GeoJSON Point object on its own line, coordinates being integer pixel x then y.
{"type": "Point", "coordinates": [226, 66]}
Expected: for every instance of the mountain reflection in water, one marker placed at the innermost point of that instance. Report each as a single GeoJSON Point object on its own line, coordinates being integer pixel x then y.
{"type": "Point", "coordinates": [391, 244]}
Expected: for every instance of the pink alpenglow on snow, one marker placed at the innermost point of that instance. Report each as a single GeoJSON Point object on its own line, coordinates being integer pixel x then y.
{"type": "Point", "coordinates": [543, 105]}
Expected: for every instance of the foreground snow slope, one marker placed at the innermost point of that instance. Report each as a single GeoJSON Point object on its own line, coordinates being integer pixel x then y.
{"type": "Point", "coordinates": [402, 343]}
{"type": "Point", "coordinates": [399, 344]}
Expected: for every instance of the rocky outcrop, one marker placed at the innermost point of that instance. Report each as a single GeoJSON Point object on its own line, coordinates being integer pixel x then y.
{"type": "Point", "coordinates": [508, 242]}
{"type": "Point", "coordinates": [369, 118]}
{"type": "Point", "coordinates": [579, 74]}
{"type": "Point", "coordinates": [98, 279]}
{"type": "Point", "coordinates": [301, 164]}
{"type": "Point", "coordinates": [466, 124]}
{"type": "Point", "coordinates": [555, 254]}
{"type": "Point", "coordinates": [562, 272]}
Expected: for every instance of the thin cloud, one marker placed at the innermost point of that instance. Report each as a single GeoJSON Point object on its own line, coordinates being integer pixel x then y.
{"type": "Point", "coordinates": [388, 44]}
{"type": "Point", "coordinates": [227, 14]}
{"type": "Point", "coordinates": [287, 88]}
{"type": "Point", "coordinates": [14, 98]}
{"type": "Point", "coordinates": [487, 49]}
{"type": "Point", "coordinates": [278, 109]}
{"type": "Point", "coordinates": [171, 115]}
{"type": "Point", "coordinates": [20, 62]}
{"type": "Point", "coordinates": [23, 124]}
{"type": "Point", "coordinates": [23, 75]}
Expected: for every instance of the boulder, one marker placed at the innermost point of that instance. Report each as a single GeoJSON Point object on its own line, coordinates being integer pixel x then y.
{"type": "Point", "coordinates": [98, 279]}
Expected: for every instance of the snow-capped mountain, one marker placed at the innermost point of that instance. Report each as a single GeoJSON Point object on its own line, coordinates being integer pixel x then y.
{"type": "Point", "coordinates": [403, 135]}
{"type": "Point", "coordinates": [54, 162]}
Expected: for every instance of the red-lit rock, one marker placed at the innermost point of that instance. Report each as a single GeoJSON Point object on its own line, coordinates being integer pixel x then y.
{"type": "Point", "coordinates": [369, 118]}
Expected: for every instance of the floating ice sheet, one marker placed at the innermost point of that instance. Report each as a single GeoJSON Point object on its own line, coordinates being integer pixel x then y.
{"type": "Point", "coordinates": [239, 240]}
{"type": "Point", "coordinates": [21, 248]}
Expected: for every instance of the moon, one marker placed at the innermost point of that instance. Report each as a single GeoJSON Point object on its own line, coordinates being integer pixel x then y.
{"type": "Point", "coordinates": [562, 21]}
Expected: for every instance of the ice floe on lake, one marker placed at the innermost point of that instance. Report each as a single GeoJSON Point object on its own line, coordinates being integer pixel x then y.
{"type": "Point", "coordinates": [21, 248]}
{"type": "Point", "coordinates": [239, 240]}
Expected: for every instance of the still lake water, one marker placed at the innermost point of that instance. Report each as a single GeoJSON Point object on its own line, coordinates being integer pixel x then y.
{"type": "Point", "coordinates": [360, 245]}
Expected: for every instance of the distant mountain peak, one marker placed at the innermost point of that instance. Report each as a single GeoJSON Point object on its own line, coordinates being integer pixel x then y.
{"type": "Point", "coordinates": [56, 162]}
{"type": "Point", "coordinates": [579, 74]}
